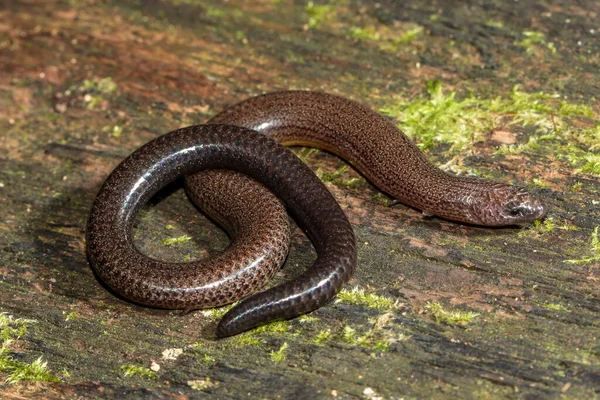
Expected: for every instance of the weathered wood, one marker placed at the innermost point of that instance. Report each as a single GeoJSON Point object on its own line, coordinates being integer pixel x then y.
{"type": "Point", "coordinates": [83, 83]}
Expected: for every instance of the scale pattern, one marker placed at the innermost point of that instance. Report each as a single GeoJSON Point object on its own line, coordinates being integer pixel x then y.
{"type": "Point", "coordinates": [230, 141]}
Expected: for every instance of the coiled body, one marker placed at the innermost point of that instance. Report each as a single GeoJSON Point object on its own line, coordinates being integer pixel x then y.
{"type": "Point", "coordinates": [367, 140]}
{"type": "Point", "coordinates": [120, 265]}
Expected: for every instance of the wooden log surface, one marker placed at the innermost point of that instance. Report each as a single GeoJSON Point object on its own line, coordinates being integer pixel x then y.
{"type": "Point", "coordinates": [508, 90]}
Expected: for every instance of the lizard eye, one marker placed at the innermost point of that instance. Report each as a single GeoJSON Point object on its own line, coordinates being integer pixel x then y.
{"type": "Point", "coordinates": [514, 207]}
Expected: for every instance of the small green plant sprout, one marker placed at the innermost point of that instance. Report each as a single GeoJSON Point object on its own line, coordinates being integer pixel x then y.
{"type": "Point", "coordinates": [545, 226]}
{"type": "Point", "coordinates": [280, 355]}
{"type": "Point", "coordinates": [208, 359]}
{"type": "Point", "coordinates": [176, 241]}
{"type": "Point", "coordinates": [323, 336]}
{"type": "Point", "coordinates": [595, 247]}
{"type": "Point", "coordinates": [533, 39]}
{"type": "Point", "coordinates": [369, 339]}
{"type": "Point", "coordinates": [576, 187]}
{"type": "Point", "coordinates": [368, 33]}
{"type": "Point", "coordinates": [95, 90]}
{"type": "Point", "coordinates": [357, 296]}
{"type": "Point", "coordinates": [460, 318]}
{"type": "Point", "coordinates": [335, 177]}
{"type": "Point", "coordinates": [36, 371]}
{"type": "Point", "coordinates": [306, 319]}
{"type": "Point", "coordinates": [274, 327]}
{"type": "Point", "coordinates": [11, 329]}
{"type": "Point", "coordinates": [555, 307]}
{"type": "Point", "coordinates": [591, 163]}
{"type": "Point", "coordinates": [318, 14]}
{"type": "Point", "coordinates": [132, 370]}
{"type": "Point", "coordinates": [217, 313]}
{"type": "Point", "coordinates": [101, 85]}
{"type": "Point", "coordinates": [73, 315]}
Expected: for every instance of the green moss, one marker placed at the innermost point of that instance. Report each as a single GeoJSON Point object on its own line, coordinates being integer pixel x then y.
{"type": "Point", "coordinates": [364, 33]}
{"type": "Point", "coordinates": [335, 177]}
{"type": "Point", "coordinates": [591, 163]}
{"type": "Point", "coordinates": [357, 296]}
{"type": "Point", "coordinates": [36, 371]}
{"type": "Point", "coordinates": [461, 318]}
{"type": "Point", "coordinates": [274, 327]}
{"type": "Point", "coordinates": [555, 307]}
{"type": "Point", "coordinates": [280, 355]}
{"type": "Point", "coordinates": [323, 336]}
{"type": "Point", "coordinates": [539, 183]}
{"type": "Point", "coordinates": [131, 370]}
{"type": "Point", "coordinates": [246, 339]}
{"type": "Point", "coordinates": [440, 118]}
{"type": "Point", "coordinates": [253, 337]}
{"type": "Point", "coordinates": [306, 319]}
{"type": "Point", "coordinates": [533, 39]}
{"type": "Point", "coordinates": [541, 227]}
{"type": "Point", "coordinates": [208, 359]}
{"type": "Point", "coordinates": [241, 36]}
{"type": "Point", "coordinates": [408, 36]}
{"type": "Point", "coordinates": [104, 85]}
{"type": "Point", "coordinates": [570, 110]}
{"type": "Point", "coordinates": [72, 316]}
{"type": "Point", "coordinates": [595, 249]}
{"type": "Point", "coordinates": [305, 152]}
{"type": "Point", "coordinates": [177, 240]}
{"type": "Point", "coordinates": [115, 130]}
{"type": "Point", "coordinates": [369, 339]}
{"type": "Point", "coordinates": [317, 14]}
{"type": "Point", "coordinates": [576, 187]}
{"type": "Point", "coordinates": [11, 329]}
{"type": "Point", "coordinates": [217, 313]}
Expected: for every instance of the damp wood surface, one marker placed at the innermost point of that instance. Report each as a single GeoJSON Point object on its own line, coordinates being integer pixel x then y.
{"type": "Point", "coordinates": [503, 90]}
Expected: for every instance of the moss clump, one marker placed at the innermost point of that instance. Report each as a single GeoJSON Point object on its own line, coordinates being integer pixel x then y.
{"type": "Point", "coordinates": [555, 307]}
{"type": "Point", "coordinates": [533, 40]}
{"type": "Point", "coordinates": [317, 14]}
{"type": "Point", "coordinates": [177, 240]}
{"type": "Point", "coordinates": [36, 371]}
{"type": "Point", "coordinates": [96, 90]}
{"type": "Point", "coordinates": [274, 327]}
{"type": "Point", "coordinates": [368, 339]}
{"type": "Point", "coordinates": [541, 227]}
{"type": "Point", "coordinates": [590, 161]}
{"type": "Point", "coordinates": [72, 316]}
{"type": "Point", "coordinates": [595, 247]}
{"type": "Point", "coordinates": [131, 370]}
{"type": "Point", "coordinates": [357, 296]}
{"type": "Point", "coordinates": [11, 329]}
{"type": "Point", "coordinates": [335, 177]}
{"type": "Point", "coordinates": [217, 313]}
{"type": "Point", "coordinates": [440, 118]}
{"type": "Point", "coordinates": [539, 183]}
{"type": "Point", "coordinates": [280, 355]}
{"type": "Point", "coordinates": [364, 33]}
{"type": "Point", "coordinates": [576, 187]}
{"type": "Point", "coordinates": [460, 318]}
{"type": "Point", "coordinates": [323, 336]}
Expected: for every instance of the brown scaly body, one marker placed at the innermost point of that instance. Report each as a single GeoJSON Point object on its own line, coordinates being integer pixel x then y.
{"type": "Point", "coordinates": [364, 138]}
